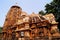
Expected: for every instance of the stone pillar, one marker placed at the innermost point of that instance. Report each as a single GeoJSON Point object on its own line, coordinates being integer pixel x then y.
{"type": "Point", "coordinates": [4, 36]}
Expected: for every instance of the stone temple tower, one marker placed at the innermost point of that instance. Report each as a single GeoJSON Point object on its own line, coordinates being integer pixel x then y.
{"type": "Point", "coordinates": [19, 25]}
{"type": "Point", "coordinates": [11, 18]}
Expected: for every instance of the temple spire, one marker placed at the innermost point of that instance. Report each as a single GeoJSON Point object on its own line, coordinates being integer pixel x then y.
{"type": "Point", "coordinates": [16, 3]}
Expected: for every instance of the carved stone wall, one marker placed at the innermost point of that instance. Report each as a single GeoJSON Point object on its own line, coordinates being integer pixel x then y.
{"type": "Point", "coordinates": [19, 25]}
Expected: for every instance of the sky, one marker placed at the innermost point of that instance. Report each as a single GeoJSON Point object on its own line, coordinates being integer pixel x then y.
{"type": "Point", "coordinates": [28, 6]}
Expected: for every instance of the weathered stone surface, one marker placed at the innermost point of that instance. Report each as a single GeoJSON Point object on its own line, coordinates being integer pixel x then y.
{"type": "Point", "coordinates": [19, 23]}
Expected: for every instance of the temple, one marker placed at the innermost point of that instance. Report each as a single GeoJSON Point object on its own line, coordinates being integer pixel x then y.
{"type": "Point", "coordinates": [19, 25]}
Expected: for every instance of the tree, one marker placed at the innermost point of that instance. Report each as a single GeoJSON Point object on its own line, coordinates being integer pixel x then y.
{"type": "Point", "coordinates": [54, 7]}
{"type": "Point", "coordinates": [42, 12]}
{"type": "Point", "coordinates": [0, 29]}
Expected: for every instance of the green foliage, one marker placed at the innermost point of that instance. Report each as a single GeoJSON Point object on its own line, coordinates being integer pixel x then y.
{"type": "Point", "coordinates": [0, 29]}
{"type": "Point", "coordinates": [42, 12]}
{"type": "Point", "coordinates": [54, 7]}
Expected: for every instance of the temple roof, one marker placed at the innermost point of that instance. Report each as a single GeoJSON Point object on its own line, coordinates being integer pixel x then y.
{"type": "Point", "coordinates": [33, 18]}
{"type": "Point", "coordinates": [16, 6]}
{"type": "Point", "coordinates": [14, 18]}
{"type": "Point", "coordinates": [50, 17]}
